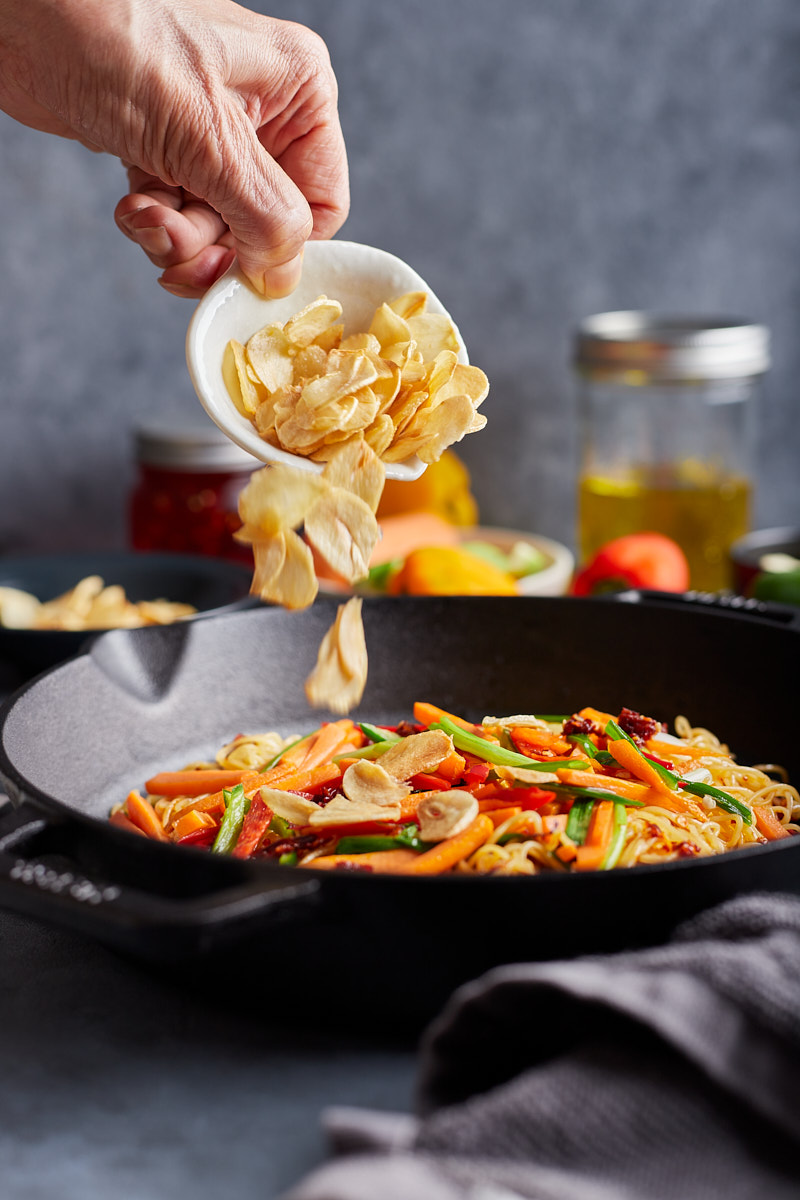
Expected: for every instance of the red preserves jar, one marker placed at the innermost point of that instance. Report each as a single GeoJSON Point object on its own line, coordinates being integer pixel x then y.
{"type": "Point", "coordinates": [185, 497]}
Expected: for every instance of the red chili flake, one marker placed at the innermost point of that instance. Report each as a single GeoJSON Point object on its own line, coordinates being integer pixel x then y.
{"type": "Point", "coordinates": [687, 850]}
{"type": "Point", "coordinates": [639, 727]}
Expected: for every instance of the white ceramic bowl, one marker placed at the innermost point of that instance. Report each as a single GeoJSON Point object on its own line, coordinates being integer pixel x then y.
{"type": "Point", "coordinates": [552, 580]}
{"type": "Point", "coordinates": [359, 277]}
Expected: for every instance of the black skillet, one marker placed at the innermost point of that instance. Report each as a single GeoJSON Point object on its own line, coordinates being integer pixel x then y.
{"type": "Point", "coordinates": [386, 948]}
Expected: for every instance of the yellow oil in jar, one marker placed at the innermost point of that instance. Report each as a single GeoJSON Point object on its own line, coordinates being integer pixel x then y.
{"type": "Point", "coordinates": [699, 509]}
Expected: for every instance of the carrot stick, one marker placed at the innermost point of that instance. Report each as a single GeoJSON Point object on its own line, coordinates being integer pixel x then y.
{"type": "Point", "coordinates": [596, 717]}
{"type": "Point", "coordinates": [452, 767]}
{"type": "Point", "coordinates": [429, 714]}
{"type": "Point", "coordinates": [453, 850]}
{"type": "Point", "coordinates": [668, 749]}
{"type": "Point", "coordinates": [498, 815]}
{"type": "Point", "coordinates": [630, 758]}
{"type": "Point", "coordinates": [191, 822]}
{"type": "Point", "coordinates": [391, 861]}
{"type": "Point", "coordinates": [193, 783]}
{"type": "Point", "coordinates": [539, 741]}
{"type": "Point", "coordinates": [141, 813]}
{"type": "Point", "coordinates": [768, 824]}
{"type": "Point", "coordinates": [589, 856]}
{"type": "Point", "coordinates": [596, 779]}
{"type": "Point", "coordinates": [323, 745]}
{"type": "Point", "coordinates": [122, 822]}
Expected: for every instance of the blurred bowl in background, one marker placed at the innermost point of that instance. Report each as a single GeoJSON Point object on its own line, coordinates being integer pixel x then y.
{"type": "Point", "coordinates": [747, 553]}
{"type": "Point", "coordinates": [210, 585]}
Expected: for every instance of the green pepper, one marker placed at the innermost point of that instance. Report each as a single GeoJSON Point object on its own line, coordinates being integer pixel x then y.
{"type": "Point", "coordinates": [281, 827]}
{"type": "Point", "coordinates": [236, 807]}
{"type": "Point", "coordinates": [728, 803]}
{"type": "Point", "coordinates": [491, 752]}
{"type": "Point", "coordinates": [289, 859]}
{"type": "Point", "coordinates": [373, 750]}
{"type": "Point", "coordinates": [377, 578]}
{"type": "Point", "coordinates": [406, 838]}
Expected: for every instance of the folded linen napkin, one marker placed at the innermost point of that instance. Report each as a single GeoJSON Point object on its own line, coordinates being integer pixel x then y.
{"type": "Point", "coordinates": [671, 1073]}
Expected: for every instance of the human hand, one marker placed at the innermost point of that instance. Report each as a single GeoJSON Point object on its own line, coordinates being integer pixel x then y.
{"type": "Point", "coordinates": [226, 121]}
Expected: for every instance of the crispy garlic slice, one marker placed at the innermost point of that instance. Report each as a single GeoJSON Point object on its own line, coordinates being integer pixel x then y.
{"type": "Point", "coordinates": [444, 814]}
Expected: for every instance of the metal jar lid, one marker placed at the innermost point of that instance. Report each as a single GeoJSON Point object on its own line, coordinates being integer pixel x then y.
{"type": "Point", "coordinates": [636, 347]}
{"type": "Point", "coordinates": [188, 446]}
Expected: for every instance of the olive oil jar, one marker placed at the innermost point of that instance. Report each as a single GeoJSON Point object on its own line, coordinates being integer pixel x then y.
{"type": "Point", "coordinates": [667, 423]}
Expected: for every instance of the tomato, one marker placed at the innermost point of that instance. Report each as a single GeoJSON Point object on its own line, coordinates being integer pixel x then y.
{"type": "Point", "coordinates": [638, 560]}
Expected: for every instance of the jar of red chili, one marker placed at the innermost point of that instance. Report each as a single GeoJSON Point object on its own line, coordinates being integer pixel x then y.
{"type": "Point", "coordinates": [185, 497]}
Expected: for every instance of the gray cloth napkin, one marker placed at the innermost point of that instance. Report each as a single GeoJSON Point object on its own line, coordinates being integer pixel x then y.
{"type": "Point", "coordinates": [667, 1074]}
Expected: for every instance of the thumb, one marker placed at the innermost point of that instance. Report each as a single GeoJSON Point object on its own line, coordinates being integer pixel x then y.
{"type": "Point", "coordinates": [267, 214]}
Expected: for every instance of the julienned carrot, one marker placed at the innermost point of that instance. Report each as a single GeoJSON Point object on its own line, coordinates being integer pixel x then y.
{"type": "Point", "coordinates": [190, 823]}
{"type": "Point", "coordinates": [322, 745]}
{"type": "Point", "coordinates": [307, 779]}
{"type": "Point", "coordinates": [539, 741]}
{"type": "Point", "coordinates": [453, 850]}
{"type": "Point", "coordinates": [596, 779]}
{"type": "Point", "coordinates": [193, 783]}
{"type": "Point", "coordinates": [452, 767]}
{"type": "Point", "coordinates": [768, 824]}
{"type": "Point", "coordinates": [391, 861]}
{"type": "Point", "coordinates": [596, 717]}
{"type": "Point", "coordinates": [122, 822]}
{"type": "Point", "coordinates": [492, 803]}
{"type": "Point", "coordinates": [254, 827]}
{"type": "Point", "coordinates": [142, 814]}
{"type": "Point", "coordinates": [632, 760]}
{"type": "Point", "coordinates": [668, 749]}
{"type": "Point", "coordinates": [429, 714]}
{"type": "Point", "coordinates": [590, 855]}
{"type": "Point", "coordinates": [498, 815]}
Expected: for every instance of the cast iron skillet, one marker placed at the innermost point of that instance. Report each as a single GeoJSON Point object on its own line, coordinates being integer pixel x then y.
{"type": "Point", "coordinates": [382, 947]}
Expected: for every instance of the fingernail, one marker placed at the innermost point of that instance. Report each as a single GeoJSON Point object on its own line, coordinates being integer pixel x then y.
{"type": "Point", "coordinates": [179, 289]}
{"type": "Point", "coordinates": [281, 280]}
{"type": "Point", "coordinates": [153, 239]}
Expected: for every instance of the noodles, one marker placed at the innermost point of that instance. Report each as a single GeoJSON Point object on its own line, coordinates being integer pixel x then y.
{"type": "Point", "coordinates": [508, 796]}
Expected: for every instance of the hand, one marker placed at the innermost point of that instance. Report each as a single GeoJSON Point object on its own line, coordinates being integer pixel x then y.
{"type": "Point", "coordinates": [225, 120]}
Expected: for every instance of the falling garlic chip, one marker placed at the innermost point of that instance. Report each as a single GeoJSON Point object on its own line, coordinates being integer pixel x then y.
{"type": "Point", "coordinates": [368, 782]}
{"type": "Point", "coordinates": [294, 583]}
{"type": "Point", "coordinates": [341, 811]}
{"type": "Point", "coordinates": [288, 806]}
{"type": "Point", "coordinates": [358, 469]}
{"type": "Point", "coordinates": [337, 681]}
{"type": "Point", "coordinates": [444, 814]}
{"type": "Point", "coordinates": [343, 529]}
{"type": "Point", "coordinates": [418, 753]}
{"type": "Point", "coordinates": [278, 497]}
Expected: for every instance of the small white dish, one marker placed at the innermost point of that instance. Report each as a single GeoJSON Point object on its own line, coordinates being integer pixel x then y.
{"type": "Point", "coordinates": [359, 277]}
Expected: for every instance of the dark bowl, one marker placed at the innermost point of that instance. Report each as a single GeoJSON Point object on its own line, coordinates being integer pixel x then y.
{"type": "Point", "coordinates": [746, 553]}
{"type": "Point", "coordinates": [211, 585]}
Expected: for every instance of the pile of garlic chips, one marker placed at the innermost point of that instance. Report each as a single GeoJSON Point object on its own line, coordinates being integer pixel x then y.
{"type": "Point", "coordinates": [352, 403]}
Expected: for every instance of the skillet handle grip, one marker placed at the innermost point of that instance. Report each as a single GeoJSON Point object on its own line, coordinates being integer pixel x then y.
{"type": "Point", "coordinates": [160, 927]}
{"type": "Point", "coordinates": [743, 606]}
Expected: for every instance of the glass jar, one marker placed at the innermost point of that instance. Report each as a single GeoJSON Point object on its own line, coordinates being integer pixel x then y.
{"type": "Point", "coordinates": [186, 493]}
{"type": "Point", "coordinates": [667, 433]}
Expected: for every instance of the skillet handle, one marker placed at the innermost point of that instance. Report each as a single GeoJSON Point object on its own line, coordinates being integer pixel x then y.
{"type": "Point", "coordinates": [744, 606]}
{"type": "Point", "coordinates": [160, 927]}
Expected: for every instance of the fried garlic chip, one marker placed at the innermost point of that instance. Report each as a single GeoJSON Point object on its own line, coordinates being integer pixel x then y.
{"type": "Point", "coordinates": [420, 752]}
{"type": "Point", "coordinates": [369, 783]}
{"type": "Point", "coordinates": [337, 681]}
{"type": "Point", "coordinates": [246, 394]}
{"type": "Point", "coordinates": [356, 467]}
{"type": "Point", "coordinates": [312, 321]}
{"type": "Point", "coordinates": [341, 811]}
{"type": "Point", "coordinates": [292, 583]}
{"type": "Point", "coordinates": [268, 352]}
{"type": "Point", "coordinates": [278, 497]}
{"type": "Point", "coordinates": [344, 531]}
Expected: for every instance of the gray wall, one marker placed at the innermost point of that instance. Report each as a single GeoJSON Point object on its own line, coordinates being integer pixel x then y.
{"type": "Point", "coordinates": [535, 160]}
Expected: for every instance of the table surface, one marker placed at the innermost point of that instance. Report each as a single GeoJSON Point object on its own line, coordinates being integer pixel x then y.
{"type": "Point", "coordinates": [117, 1082]}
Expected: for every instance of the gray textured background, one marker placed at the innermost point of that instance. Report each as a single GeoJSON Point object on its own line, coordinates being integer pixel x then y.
{"type": "Point", "coordinates": [535, 160]}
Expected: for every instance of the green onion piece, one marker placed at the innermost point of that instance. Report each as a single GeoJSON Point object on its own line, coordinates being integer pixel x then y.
{"type": "Point", "coordinates": [378, 577]}
{"type": "Point", "coordinates": [406, 838]}
{"type": "Point", "coordinates": [617, 838]}
{"type": "Point", "coordinates": [578, 820]}
{"type": "Point", "coordinates": [592, 793]}
{"type": "Point", "coordinates": [236, 806]}
{"type": "Point", "coordinates": [288, 860]}
{"type": "Point", "coordinates": [728, 803]}
{"type": "Point", "coordinates": [378, 735]}
{"type": "Point", "coordinates": [552, 719]}
{"type": "Point", "coordinates": [373, 750]}
{"type": "Point", "coordinates": [491, 752]}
